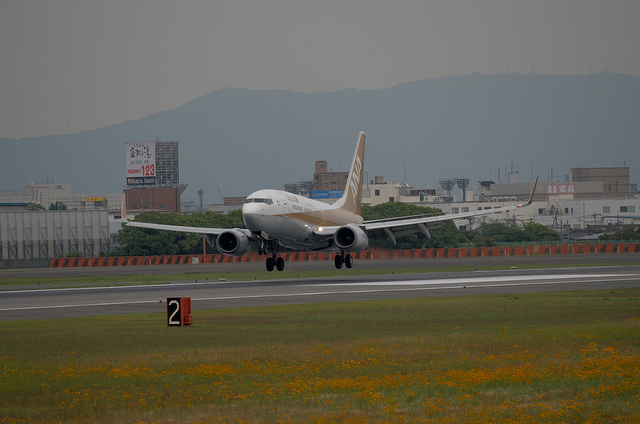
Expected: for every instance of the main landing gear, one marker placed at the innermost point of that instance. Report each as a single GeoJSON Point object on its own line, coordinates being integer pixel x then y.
{"type": "Point", "coordinates": [275, 262]}
{"type": "Point", "coordinates": [272, 261]}
{"type": "Point", "coordinates": [343, 258]}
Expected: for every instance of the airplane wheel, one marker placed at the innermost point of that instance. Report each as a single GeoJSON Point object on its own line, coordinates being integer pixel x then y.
{"type": "Point", "coordinates": [348, 261]}
{"type": "Point", "coordinates": [280, 264]}
{"type": "Point", "coordinates": [270, 263]}
{"type": "Point", "coordinates": [339, 261]}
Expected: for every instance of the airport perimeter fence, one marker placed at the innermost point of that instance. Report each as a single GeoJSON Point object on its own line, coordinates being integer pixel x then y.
{"type": "Point", "coordinates": [457, 252]}
{"type": "Point", "coordinates": [539, 243]}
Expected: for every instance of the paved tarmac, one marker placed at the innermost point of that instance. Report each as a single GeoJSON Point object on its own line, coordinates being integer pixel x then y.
{"type": "Point", "coordinates": [19, 304]}
{"type": "Point", "coordinates": [507, 261]}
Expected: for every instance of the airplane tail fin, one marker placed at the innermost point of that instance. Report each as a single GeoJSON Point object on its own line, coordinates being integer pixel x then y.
{"type": "Point", "coordinates": [351, 200]}
{"type": "Point", "coordinates": [533, 191]}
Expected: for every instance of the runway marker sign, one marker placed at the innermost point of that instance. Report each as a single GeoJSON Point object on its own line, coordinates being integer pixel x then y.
{"type": "Point", "coordinates": [179, 311]}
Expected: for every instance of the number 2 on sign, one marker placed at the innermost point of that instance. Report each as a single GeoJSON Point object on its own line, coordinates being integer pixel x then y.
{"type": "Point", "coordinates": [172, 320]}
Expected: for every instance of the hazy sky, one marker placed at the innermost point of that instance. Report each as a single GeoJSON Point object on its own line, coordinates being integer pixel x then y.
{"type": "Point", "coordinates": [72, 65]}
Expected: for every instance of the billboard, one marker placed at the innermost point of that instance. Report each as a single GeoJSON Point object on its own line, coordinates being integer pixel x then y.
{"type": "Point", "coordinates": [327, 194]}
{"type": "Point", "coordinates": [141, 163]}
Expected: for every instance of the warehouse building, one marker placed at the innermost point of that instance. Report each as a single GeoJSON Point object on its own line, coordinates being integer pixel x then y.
{"type": "Point", "coordinates": [32, 238]}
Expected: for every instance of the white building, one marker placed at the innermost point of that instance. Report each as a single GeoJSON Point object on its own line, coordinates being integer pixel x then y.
{"type": "Point", "coordinates": [31, 238]}
{"type": "Point", "coordinates": [378, 191]}
{"type": "Point", "coordinates": [557, 205]}
{"type": "Point", "coordinates": [557, 214]}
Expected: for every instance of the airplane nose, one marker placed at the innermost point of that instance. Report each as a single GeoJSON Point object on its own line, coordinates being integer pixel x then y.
{"type": "Point", "coordinates": [249, 208]}
{"type": "Point", "coordinates": [250, 215]}
{"type": "Point", "coordinates": [250, 220]}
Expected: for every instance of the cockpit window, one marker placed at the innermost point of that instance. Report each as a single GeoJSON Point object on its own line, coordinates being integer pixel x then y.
{"type": "Point", "coordinates": [259, 200]}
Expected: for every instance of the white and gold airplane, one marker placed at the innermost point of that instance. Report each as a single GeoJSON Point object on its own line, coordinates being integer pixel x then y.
{"type": "Point", "coordinates": [278, 220]}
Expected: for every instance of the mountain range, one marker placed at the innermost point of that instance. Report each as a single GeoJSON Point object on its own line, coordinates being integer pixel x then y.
{"type": "Point", "coordinates": [474, 126]}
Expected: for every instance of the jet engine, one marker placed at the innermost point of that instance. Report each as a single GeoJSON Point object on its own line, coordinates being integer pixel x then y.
{"type": "Point", "coordinates": [233, 242]}
{"type": "Point", "coordinates": [351, 238]}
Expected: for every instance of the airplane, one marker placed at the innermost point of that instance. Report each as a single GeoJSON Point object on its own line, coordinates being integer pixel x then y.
{"type": "Point", "coordinates": [278, 220]}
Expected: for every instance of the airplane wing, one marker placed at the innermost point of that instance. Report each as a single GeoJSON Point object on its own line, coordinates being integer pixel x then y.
{"type": "Point", "coordinates": [202, 231]}
{"type": "Point", "coordinates": [394, 227]}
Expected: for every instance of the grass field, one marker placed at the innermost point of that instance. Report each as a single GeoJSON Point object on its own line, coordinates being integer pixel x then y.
{"type": "Point", "coordinates": [542, 358]}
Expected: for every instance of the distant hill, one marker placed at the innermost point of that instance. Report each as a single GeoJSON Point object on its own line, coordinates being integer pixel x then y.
{"type": "Point", "coordinates": [241, 140]}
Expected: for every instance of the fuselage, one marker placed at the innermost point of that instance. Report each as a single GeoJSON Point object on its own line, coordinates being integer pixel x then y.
{"type": "Point", "coordinates": [291, 219]}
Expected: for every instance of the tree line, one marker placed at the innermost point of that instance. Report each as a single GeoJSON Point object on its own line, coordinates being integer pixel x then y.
{"type": "Point", "coordinates": [144, 242]}
{"type": "Point", "coordinates": [57, 206]}
{"type": "Point", "coordinates": [627, 232]}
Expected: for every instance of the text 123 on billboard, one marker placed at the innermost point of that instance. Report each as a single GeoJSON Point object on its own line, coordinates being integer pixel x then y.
{"type": "Point", "coordinates": [141, 163]}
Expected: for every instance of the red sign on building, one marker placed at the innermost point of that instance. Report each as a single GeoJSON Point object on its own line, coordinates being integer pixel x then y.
{"type": "Point", "coordinates": [561, 188]}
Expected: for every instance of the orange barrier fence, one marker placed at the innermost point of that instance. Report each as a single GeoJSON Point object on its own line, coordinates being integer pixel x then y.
{"type": "Point", "coordinates": [459, 252]}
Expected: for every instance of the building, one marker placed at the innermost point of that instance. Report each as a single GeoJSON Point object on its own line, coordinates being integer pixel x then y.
{"type": "Point", "coordinates": [236, 201]}
{"type": "Point", "coordinates": [32, 238]}
{"type": "Point", "coordinates": [152, 199]}
{"type": "Point", "coordinates": [560, 206]}
{"type": "Point", "coordinates": [559, 214]}
{"type": "Point", "coordinates": [168, 165]}
{"type": "Point", "coordinates": [586, 183]}
{"type": "Point", "coordinates": [593, 197]}
{"type": "Point", "coordinates": [614, 180]}
{"type": "Point", "coordinates": [377, 191]}
{"type": "Point", "coordinates": [326, 179]}
{"type": "Point", "coordinates": [301, 188]}
{"type": "Point", "coordinates": [51, 193]}
{"type": "Point", "coordinates": [153, 177]}
{"type": "Point", "coordinates": [13, 207]}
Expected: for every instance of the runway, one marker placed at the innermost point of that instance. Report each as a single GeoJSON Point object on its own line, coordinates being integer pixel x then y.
{"type": "Point", "coordinates": [399, 263]}
{"type": "Point", "coordinates": [79, 302]}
